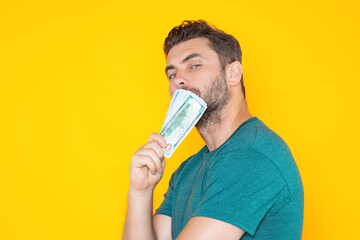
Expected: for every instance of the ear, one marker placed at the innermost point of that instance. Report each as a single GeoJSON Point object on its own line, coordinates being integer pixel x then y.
{"type": "Point", "coordinates": [233, 72]}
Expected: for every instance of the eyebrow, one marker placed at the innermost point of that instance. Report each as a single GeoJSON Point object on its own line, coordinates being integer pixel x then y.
{"type": "Point", "coordinates": [189, 57]}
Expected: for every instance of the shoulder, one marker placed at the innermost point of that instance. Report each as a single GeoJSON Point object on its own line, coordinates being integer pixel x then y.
{"type": "Point", "coordinates": [244, 165]}
{"type": "Point", "coordinates": [255, 135]}
{"type": "Point", "coordinates": [256, 149]}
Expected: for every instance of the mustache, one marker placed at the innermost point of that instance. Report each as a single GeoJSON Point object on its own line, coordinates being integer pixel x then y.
{"type": "Point", "coordinates": [193, 90]}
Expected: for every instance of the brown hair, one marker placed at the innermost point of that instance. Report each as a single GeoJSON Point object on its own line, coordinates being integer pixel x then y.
{"type": "Point", "coordinates": [225, 45]}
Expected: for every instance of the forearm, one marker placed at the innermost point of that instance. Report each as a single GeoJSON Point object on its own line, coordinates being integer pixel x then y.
{"type": "Point", "coordinates": [146, 169]}
{"type": "Point", "coordinates": [139, 223]}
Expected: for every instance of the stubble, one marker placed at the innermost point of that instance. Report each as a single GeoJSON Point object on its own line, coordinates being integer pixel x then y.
{"type": "Point", "coordinates": [216, 97]}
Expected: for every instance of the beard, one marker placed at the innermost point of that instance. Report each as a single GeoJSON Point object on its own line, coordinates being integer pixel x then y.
{"type": "Point", "coordinates": [216, 96]}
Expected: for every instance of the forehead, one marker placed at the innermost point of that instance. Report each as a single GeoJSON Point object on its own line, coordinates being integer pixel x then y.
{"type": "Point", "coordinates": [199, 45]}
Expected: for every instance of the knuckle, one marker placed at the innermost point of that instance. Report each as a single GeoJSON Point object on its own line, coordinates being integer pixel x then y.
{"type": "Point", "coordinates": [152, 144]}
{"type": "Point", "coordinates": [147, 158]}
{"type": "Point", "coordinates": [156, 146]}
{"type": "Point", "coordinates": [152, 136]}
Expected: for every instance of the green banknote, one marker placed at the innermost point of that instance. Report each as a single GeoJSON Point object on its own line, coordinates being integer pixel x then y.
{"type": "Point", "coordinates": [185, 110]}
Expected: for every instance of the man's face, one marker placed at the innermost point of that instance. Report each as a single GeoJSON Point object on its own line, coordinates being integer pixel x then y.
{"type": "Point", "coordinates": [194, 66]}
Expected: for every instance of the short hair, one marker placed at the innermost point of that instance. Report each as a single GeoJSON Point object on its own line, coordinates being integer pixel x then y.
{"type": "Point", "coordinates": [225, 45]}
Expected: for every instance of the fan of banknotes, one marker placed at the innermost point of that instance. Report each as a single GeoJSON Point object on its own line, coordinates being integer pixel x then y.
{"type": "Point", "coordinates": [185, 110]}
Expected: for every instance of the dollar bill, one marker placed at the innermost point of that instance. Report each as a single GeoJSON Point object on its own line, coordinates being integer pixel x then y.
{"type": "Point", "coordinates": [177, 98]}
{"type": "Point", "coordinates": [185, 110]}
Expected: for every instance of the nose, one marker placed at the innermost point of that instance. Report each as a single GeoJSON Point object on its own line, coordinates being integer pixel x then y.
{"type": "Point", "coordinates": [180, 80]}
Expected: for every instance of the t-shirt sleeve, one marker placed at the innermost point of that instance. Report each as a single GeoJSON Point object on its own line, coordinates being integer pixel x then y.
{"type": "Point", "coordinates": [240, 188]}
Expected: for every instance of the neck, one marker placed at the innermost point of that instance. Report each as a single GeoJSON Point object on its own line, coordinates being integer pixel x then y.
{"type": "Point", "coordinates": [215, 134]}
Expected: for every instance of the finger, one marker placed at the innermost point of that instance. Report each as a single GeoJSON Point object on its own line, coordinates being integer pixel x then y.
{"type": "Point", "coordinates": [163, 164]}
{"type": "Point", "coordinates": [157, 148]}
{"type": "Point", "coordinates": [158, 138]}
{"type": "Point", "coordinates": [148, 162]}
{"type": "Point", "coordinates": [154, 157]}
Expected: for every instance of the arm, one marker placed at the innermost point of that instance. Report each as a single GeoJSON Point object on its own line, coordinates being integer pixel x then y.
{"type": "Point", "coordinates": [204, 228]}
{"type": "Point", "coordinates": [199, 228]}
{"type": "Point", "coordinates": [146, 170]}
{"type": "Point", "coordinates": [138, 224]}
{"type": "Point", "coordinates": [162, 227]}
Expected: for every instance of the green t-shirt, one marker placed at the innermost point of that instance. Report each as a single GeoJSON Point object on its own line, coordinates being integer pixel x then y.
{"type": "Point", "coordinates": [251, 181]}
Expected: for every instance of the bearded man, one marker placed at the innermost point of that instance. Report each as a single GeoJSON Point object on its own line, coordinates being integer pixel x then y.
{"type": "Point", "coordinates": [244, 183]}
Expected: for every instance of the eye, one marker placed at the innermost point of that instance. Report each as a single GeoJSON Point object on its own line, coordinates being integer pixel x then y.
{"type": "Point", "coordinates": [195, 66]}
{"type": "Point", "coordinates": [172, 76]}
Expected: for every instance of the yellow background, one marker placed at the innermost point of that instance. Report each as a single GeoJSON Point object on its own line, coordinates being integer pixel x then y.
{"type": "Point", "coordinates": [82, 86]}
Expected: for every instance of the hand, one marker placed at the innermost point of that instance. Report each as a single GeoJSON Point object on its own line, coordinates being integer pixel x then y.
{"type": "Point", "coordinates": [147, 165]}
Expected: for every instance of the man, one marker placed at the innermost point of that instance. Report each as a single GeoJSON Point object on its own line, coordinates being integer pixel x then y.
{"type": "Point", "coordinates": [243, 184]}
